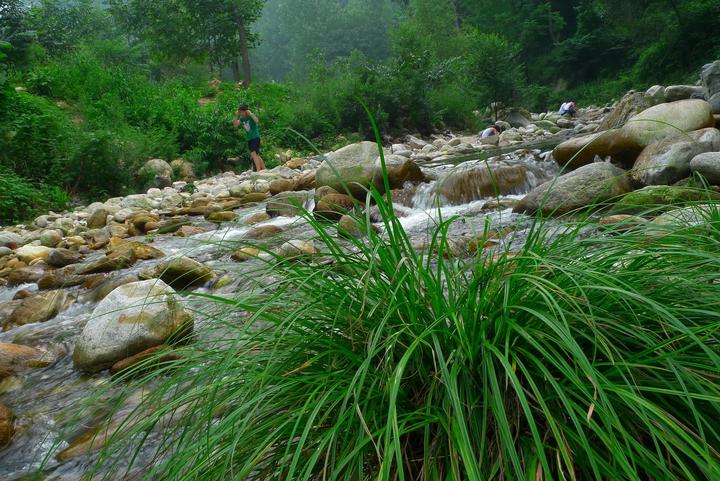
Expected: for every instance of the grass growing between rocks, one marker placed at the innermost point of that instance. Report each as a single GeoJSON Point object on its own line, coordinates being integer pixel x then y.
{"type": "Point", "coordinates": [575, 357]}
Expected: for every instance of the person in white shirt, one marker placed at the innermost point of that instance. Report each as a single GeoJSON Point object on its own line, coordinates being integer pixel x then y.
{"type": "Point", "coordinates": [568, 108]}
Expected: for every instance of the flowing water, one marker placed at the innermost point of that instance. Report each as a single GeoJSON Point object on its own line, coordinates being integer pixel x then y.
{"type": "Point", "coordinates": [42, 398]}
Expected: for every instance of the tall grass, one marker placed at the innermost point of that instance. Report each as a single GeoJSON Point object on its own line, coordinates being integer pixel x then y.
{"type": "Point", "coordinates": [570, 357]}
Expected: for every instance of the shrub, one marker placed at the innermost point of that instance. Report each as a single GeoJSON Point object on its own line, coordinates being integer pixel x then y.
{"type": "Point", "coordinates": [20, 200]}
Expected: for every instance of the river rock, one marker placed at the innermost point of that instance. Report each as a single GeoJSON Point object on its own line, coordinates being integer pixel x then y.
{"type": "Point", "coordinates": [257, 218]}
{"type": "Point", "coordinates": [692, 216]}
{"type": "Point", "coordinates": [51, 237]}
{"type": "Point", "coordinates": [189, 231]}
{"type": "Point", "coordinates": [98, 219]}
{"type": "Point", "coordinates": [296, 163]}
{"type": "Point", "coordinates": [357, 167]}
{"type": "Point", "coordinates": [334, 206]}
{"type": "Point", "coordinates": [29, 253]}
{"type": "Point", "coordinates": [282, 185]}
{"type": "Point", "coordinates": [515, 117]}
{"type": "Point", "coordinates": [39, 308]}
{"type": "Point", "coordinates": [294, 249]}
{"type": "Point", "coordinates": [245, 254]}
{"type": "Point", "coordinates": [631, 104]}
{"type": "Point", "coordinates": [662, 195]}
{"type": "Point", "coordinates": [708, 165]}
{"type": "Point", "coordinates": [474, 181]}
{"type": "Point", "coordinates": [222, 216]}
{"type": "Point", "coordinates": [113, 261]}
{"type": "Point", "coordinates": [183, 273]}
{"type": "Point", "coordinates": [140, 250]}
{"type": "Point", "coordinates": [667, 161]}
{"type": "Point", "coordinates": [7, 425]}
{"type": "Point", "coordinates": [102, 290]}
{"type": "Point", "coordinates": [63, 257]}
{"type": "Point", "coordinates": [133, 318]}
{"type": "Point", "coordinates": [287, 204]}
{"type": "Point", "coordinates": [143, 357]}
{"type": "Point", "coordinates": [656, 94]}
{"type": "Point", "coordinates": [25, 274]}
{"type": "Point", "coordinates": [263, 232]}
{"type": "Point", "coordinates": [674, 93]}
{"type": "Point", "coordinates": [579, 151]}
{"type": "Point", "coordinates": [155, 167]}
{"type": "Point", "coordinates": [586, 186]}
{"type": "Point", "coordinates": [667, 120]}
{"type": "Point", "coordinates": [16, 358]}
{"type": "Point", "coordinates": [11, 240]}
{"type": "Point", "coordinates": [5, 251]}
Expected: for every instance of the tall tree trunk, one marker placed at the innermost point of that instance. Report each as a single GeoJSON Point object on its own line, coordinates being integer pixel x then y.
{"type": "Point", "coordinates": [236, 69]}
{"type": "Point", "coordinates": [244, 53]}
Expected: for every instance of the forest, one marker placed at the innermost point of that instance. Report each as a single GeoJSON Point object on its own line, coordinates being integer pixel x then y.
{"type": "Point", "coordinates": [90, 90]}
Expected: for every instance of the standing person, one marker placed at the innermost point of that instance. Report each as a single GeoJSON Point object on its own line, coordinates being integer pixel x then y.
{"type": "Point", "coordinates": [250, 123]}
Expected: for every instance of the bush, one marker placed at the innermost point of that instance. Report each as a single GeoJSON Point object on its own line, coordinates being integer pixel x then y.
{"type": "Point", "coordinates": [20, 200]}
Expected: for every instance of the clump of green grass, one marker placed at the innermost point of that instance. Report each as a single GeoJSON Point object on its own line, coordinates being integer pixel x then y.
{"type": "Point", "coordinates": [575, 357]}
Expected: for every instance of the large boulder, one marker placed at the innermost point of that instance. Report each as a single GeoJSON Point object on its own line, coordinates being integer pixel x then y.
{"type": "Point", "coordinates": [710, 75]}
{"type": "Point", "coordinates": [631, 104]}
{"type": "Point", "coordinates": [29, 253]}
{"type": "Point", "coordinates": [580, 151]}
{"type": "Point", "coordinates": [155, 167]}
{"type": "Point", "coordinates": [673, 93]}
{"type": "Point", "coordinates": [667, 120]}
{"type": "Point", "coordinates": [474, 181]}
{"type": "Point", "coordinates": [133, 318]}
{"type": "Point", "coordinates": [586, 186]}
{"type": "Point", "coordinates": [288, 204]}
{"type": "Point", "coordinates": [654, 196]}
{"type": "Point", "coordinates": [183, 170]}
{"type": "Point", "coordinates": [515, 117]}
{"type": "Point", "coordinates": [357, 167]}
{"type": "Point", "coordinates": [708, 165]}
{"type": "Point", "coordinates": [667, 161]}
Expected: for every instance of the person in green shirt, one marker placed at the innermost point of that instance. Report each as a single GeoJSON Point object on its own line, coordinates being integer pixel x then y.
{"type": "Point", "coordinates": [249, 121]}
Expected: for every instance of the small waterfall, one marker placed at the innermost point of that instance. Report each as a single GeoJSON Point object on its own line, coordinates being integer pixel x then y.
{"type": "Point", "coordinates": [511, 174]}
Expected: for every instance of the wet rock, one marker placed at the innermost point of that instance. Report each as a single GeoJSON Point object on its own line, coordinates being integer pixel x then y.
{"type": "Point", "coordinates": [141, 220]}
{"type": "Point", "coordinates": [333, 206]}
{"type": "Point", "coordinates": [263, 232]}
{"type": "Point", "coordinates": [662, 195]}
{"type": "Point", "coordinates": [254, 197]}
{"type": "Point", "coordinates": [189, 231]}
{"type": "Point", "coordinates": [656, 94]}
{"type": "Point", "coordinates": [697, 215]}
{"type": "Point", "coordinates": [98, 219]}
{"type": "Point", "coordinates": [133, 318]}
{"type": "Point", "coordinates": [224, 216]}
{"type": "Point", "coordinates": [183, 273]}
{"type": "Point", "coordinates": [140, 250]}
{"type": "Point", "coordinates": [61, 278]}
{"type": "Point", "coordinates": [295, 249]}
{"type": "Point", "coordinates": [245, 254]}
{"type": "Point", "coordinates": [63, 257]}
{"type": "Point", "coordinates": [120, 259]}
{"type": "Point", "coordinates": [25, 275]}
{"type": "Point", "coordinates": [38, 308]}
{"type": "Point", "coordinates": [621, 221]}
{"type": "Point", "coordinates": [475, 181]}
{"type": "Point", "coordinates": [321, 192]}
{"type": "Point", "coordinates": [354, 227]}
{"type": "Point", "coordinates": [5, 251]}
{"type": "Point", "coordinates": [287, 204]}
{"type": "Point", "coordinates": [7, 425]}
{"type": "Point", "coordinates": [708, 165]}
{"type": "Point", "coordinates": [29, 253]}
{"type": "Point", "coordinates": [16, 358]}
{"type": "Point", "coordinates": [586, 186]}
{"type": "Point", "coordinates": [401, 170]}
{"type": "Point", "coordinates": [257, 218]}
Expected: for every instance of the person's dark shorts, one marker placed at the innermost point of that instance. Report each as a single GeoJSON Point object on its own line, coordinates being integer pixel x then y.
{"type": "Point", "coordinates": [254, 145]}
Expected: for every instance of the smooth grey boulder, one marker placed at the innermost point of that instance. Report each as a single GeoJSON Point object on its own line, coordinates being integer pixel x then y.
{"type": "Point", "coordinates": [707, 165]}
{"type": "Point", "coordinates": [132, 318]}
{"type": "Point", "coordinates": [673, 93]}
{"type": "Point", "coordinates": [586, 186]}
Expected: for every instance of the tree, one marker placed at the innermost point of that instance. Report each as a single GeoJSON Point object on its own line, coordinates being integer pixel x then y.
{"type": "Point", "coordinates": [215, 31]}
{"type": "Point", "coordinates": [492, 68]}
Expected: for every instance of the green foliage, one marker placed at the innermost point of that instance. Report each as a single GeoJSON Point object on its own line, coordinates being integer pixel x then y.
{"type": "Point", "coordinates": [20, 200]}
